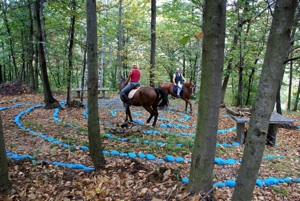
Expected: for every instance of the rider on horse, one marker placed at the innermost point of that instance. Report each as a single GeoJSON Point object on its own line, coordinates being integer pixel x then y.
{"type": "Point", "coordinates": [134, 78]}
{"type": "Point", "coordinates": [178, 80]}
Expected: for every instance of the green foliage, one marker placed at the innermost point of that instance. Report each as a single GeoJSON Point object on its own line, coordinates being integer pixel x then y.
{"type": "Point", "coordinates": [176, 46]}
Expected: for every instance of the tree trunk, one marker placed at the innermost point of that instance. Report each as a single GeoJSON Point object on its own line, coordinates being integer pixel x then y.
{"type": "Point", "coordinates": [4, 182]}
{"type": "Point", "coordinates": [290, 86]}
{"type": "Point", "coordinates": [278, 99]}
{"type": "Point", "coordinates": [297, 98]}
{"type": "Point", "coordinates": [272, 73]}
{"type": "Point", "coordinates": [201, 174]}
{"type": "Point", "coordinates": [11, 42]}
{"type": "Point", "coordinates": [70, 51]}
{"type": "Point", "coordinates": [153, 42]}
{"type": "Point", "coordinates": [101, 73]}
{"type": "Point", "coordinates": [36, 68]}
{"type": "Point", "coordinates": [30, 49]}
{"type": "Point", "coordinates": [198, 69]}
{"type": "Point", "coordinates": [296, 24]}
{"type": "Point", "coordinates": [83, 73]}
{"type": "Point", "coordinates": [95, 144]}
{"type": "Point", "coordinates": [1, 75]}
{"type": "Point", "coordinates": [120, 40]}
{"type": "Point", "coordinates": [50, 101]}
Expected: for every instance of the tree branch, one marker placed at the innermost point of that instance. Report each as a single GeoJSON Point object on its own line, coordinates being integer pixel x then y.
{"type": "Point", "coordinates": [291, 59]}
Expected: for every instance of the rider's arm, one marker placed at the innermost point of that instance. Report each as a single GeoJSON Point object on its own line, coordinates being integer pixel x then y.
{"type": "Point", "coordinates": [128, 78]}
{"type": "Point", "coordinates": [183, 79]}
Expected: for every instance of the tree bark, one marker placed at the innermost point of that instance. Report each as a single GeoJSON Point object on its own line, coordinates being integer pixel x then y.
{"type": "Point", "coordinates": [4, 182]}
{"type": "Point", "coordinates": [153, 42]}
{"type": "Point", "coordinates": [50, 101]}
{"type": "Point", "coordinates": [272, 73]}
{"type": "Point", "coordinates": [201, 174]}
{"type": "Point", "coordinates": [70, 51]}
{"type": "Point", "coordinates": [95, 144]}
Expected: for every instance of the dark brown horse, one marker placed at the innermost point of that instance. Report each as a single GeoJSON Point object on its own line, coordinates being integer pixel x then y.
{"type": "Point", "coordinates": [186, 93]}
{"type": "Point", "coordinates": [148, 97]}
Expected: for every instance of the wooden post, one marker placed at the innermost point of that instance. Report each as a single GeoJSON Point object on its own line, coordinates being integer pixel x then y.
{"type": "Point", "coordinates": [272, 133]}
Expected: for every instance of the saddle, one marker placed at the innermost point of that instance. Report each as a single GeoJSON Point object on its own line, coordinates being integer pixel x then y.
{"type": "Point", "coordinates": [133, 91]}
{"type": "Point", "coordinates": [175, 87]}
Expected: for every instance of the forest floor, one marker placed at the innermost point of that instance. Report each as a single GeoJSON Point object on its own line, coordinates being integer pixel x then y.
{"type": "Point", "coordinates": [41, 168]}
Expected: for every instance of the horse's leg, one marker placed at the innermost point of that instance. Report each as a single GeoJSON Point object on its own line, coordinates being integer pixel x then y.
{"type": "Point", "coordinates": [155, 114]}
{"type": "Point", "coordinates": [186, 105]}
{"type": "Point", "coordinates": [128, 113]}
{"type": "Point", "coordinates": [149, 109]}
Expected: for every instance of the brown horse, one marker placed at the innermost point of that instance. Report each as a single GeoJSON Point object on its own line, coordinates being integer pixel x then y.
{"type": "Point", "coordinates": [186, 93]}
{"type": "Point", "coordinates": [148, 97]}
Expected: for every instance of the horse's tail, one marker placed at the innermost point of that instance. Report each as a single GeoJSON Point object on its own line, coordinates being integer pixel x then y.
{"type": "Point", "coordinates": [163, 98]}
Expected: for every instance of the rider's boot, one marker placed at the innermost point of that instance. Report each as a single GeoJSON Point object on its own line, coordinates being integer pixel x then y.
{"type": "Point", "coordinates": [178, 92]}
{"type": "Point", "coordinates": [126, 100]}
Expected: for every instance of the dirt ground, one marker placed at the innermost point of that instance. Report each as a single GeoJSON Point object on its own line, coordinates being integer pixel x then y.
{"type": "Point", "coordinates": [54, 171]}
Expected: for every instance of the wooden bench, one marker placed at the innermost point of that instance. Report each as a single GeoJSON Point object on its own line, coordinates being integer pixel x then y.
{"type": "Point", "coordinates": [275, 120]}
{"type": "Point", "coordinates": [78, 90]}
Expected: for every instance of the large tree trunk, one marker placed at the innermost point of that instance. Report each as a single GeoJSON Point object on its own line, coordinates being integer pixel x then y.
{"type": "Point", "coordinates": [201, 174]}
{"type": "Point", "coordinates": [272, 73]}
{"type": "Point", "coordinates": [50, 101]}
{"type": "Point", "coordinates": [153, 42]}
{"type": "Point", "coordinates": [4, 182]}
{"type": "Point", "coordinates": [95, 144]}
{"type": "Point", "coordinates": [70, 51]}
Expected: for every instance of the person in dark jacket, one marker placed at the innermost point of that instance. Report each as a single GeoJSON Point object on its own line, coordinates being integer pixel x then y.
{"type": "Point", "coordinates": [178, 80]}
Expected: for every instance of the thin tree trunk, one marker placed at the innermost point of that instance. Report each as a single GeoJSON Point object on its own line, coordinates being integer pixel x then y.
{"type": "Point", "coordinates": [95, 144]}
{"type": "Point", "coordinates": [272, 73]}
{"type": "Point", "coordinates": [83, 73]}
{"type": "Point", "coordinates": [50, 101]}
{"type": "Point", "coordinates": [4, 182]}
{"type": "Point", "coordinates": [36, 68]}
{"type": "Point", "coordinates": [31, 46]}
{"type": "Point", "coordinates": [297, 98]}
{"type": "Point", "coordinates": [11, 42]}
{"type": "Point", "coordinates": [1, 75]}
{"type": "Point", "coordinates": [70, 51]}
{"type": "Point", "coordinates": [101, 73]}
{"type": "Point", "coordinates": [201, 173]}
{"type": "Point", "coordinates": [198, 69]}
{"type": "Point", "coordinates": [120, 40]}
{"type": "Point", "coordinates": [290, 86]}
{"type": "Point", "coordinates": [296, 23]}
{"type": "Point", "coordinates": [278, 99]}
{"type": "Point", "coordinates": [153, 42]}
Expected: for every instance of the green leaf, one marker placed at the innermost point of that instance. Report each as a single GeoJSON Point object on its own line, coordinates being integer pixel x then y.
{"type": "Point", "coordinates": [184, 40]}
